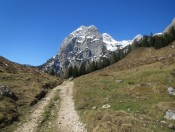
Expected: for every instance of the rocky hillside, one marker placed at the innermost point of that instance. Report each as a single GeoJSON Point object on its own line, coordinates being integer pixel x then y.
{"type": "Point", "coordinates": [135, 94]}
{"type": "Point", "coordinates": [21, 87]}
{"type": "Point", "coordinates": [83, 45]}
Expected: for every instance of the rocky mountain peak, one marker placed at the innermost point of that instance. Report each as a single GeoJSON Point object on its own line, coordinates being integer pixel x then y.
{"type": "Point", "coordinates": [84, 30]}
{"type": "Point", "coordinates": [83, 45]}
{"type": "Point", "coordinates": [92, 28]}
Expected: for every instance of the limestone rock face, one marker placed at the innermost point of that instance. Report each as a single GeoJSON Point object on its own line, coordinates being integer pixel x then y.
{"type": "Point", "coordinates": [82, 45]}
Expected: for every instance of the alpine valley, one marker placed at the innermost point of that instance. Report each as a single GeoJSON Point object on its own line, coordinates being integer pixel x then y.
{"type": "Point", "coordinates": [133, 92]}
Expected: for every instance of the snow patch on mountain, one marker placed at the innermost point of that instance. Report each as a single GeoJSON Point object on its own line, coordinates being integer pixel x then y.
{"type": "Point", "coordinates": [157, 34]}
{"type": "Point", "coordinates": [112, 44]}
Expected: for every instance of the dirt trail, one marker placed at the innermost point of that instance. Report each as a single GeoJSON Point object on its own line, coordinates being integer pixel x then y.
{"type": "Point", "coordinates": [68, 119]}
{"type": "Point", "coordinates": [31, 124]}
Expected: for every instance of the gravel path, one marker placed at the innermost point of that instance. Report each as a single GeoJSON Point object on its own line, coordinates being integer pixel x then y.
{"type": "Point", "coordinates": [68, 119]}
{"type": "Point", "coordinates": [31, 124]}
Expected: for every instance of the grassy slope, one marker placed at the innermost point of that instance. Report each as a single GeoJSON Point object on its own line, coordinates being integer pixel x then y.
{"type": "Point", "coordinates": [133, 107]}
{"type": "Point", "coordinates": [26, 82]}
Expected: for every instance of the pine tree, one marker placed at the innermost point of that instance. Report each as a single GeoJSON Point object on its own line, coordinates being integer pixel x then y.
{"type": "Point", "coordinates": [113, 58]}
{"type": "Point", "coordinates": [100, 64]}
{"type": "Point", "coordinates": [51, 72]}
{"type": "Point", "coordinates": [135, 44]}
{"type": "Point", "coordinates": [166, 39]}
{"type": "Point", "coordinates": [145, 41]}
{"type": "Point", "coordinates": [92, 66]}
{"type": "Point", "coordinates": [151, 40]}
{"type": "Point", "coordinates": [120, 55]}
{"type": "Point", "coordinates": [66, 73]}
{"type": "Point", "coordinates": [159, 42]}
{"type": "Point", "coordinates": [82, 69]}
{"type": "Point", "coordinates": [129, 49]}
{"type": "Point", "coordinates": [88, 68]}
{"type": "Point", "coordinates": [106, 62]}
{"type": "Point", "coordinates": [171, 34]}
{"type": "Point", "coordinates": [75, 72]}
{"type": "Point", "coordinates": [70, 71]}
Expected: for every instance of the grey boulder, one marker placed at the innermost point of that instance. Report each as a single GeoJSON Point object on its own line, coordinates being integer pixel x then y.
{"type": "Point", "coordinates": [171, 91]}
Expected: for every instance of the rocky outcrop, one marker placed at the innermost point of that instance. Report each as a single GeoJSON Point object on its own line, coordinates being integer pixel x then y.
{"type": "Point", "coordinates": [170, 115]}
{"type": "Point", "coordinates": [171, 91]}
{"type": "Point", "coordinates": [118, 81]}
{"type": "Point", "coordinates": [4, 91]}
{"type": "Point", "coordinates": [8, 107]}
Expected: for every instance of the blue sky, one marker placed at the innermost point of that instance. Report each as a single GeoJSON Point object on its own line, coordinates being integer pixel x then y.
{"type": "Point", "coordinates": [31, 31]}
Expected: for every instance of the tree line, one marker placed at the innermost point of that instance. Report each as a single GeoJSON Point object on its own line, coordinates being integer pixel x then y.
{"type": "Point", "coordinates": [96, 65]}
{"type": "Point", "coordinates": [157, 41]}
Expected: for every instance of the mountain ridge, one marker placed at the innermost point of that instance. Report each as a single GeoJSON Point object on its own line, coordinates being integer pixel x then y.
{"type": "Point", "coordinates": [86, 44]}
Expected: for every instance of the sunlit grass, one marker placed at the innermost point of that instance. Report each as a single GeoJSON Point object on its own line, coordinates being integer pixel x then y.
{"type": "Point", "coordinates": [139, 103]}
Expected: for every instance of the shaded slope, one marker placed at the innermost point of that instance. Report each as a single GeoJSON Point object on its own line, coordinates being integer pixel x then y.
{"type": "Point", "coordinates": [27, 83]}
